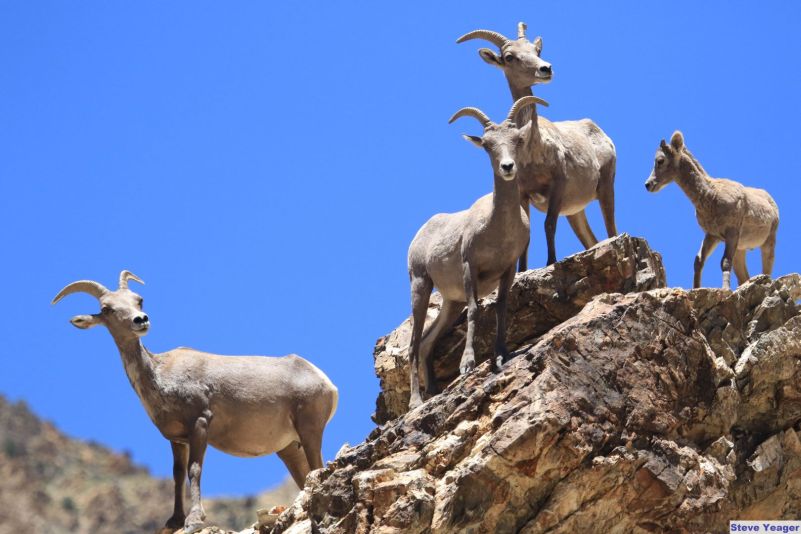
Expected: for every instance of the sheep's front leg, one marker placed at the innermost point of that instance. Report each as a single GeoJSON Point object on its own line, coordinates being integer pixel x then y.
{"type": "Point", "coordinates": [180, 458]}
{"type": "Point", "coordinates": [501, 352]}
{"type": "Point", "coordinates": [709, 244]}
{"type": "Point", "coordinates": [197, 450]}
{"type": "Point", "coordinates": [523, 261]}
{"type": "Point", "coordinates": [726, 262]}
{"type": "Point", "coordinates": [468, 362]}
{"type": "Point", "coordinates": [552, 215]}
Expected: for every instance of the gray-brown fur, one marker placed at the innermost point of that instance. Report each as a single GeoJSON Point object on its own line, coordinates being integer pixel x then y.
{"type": "Point", "coordinates": [741, 217]}
{"type": "Point", "coordinates": [242, 405]}
{"type": "Point", "coordinates": [467, 254]}
{"type": "Point", "coordinates": [572, 163]}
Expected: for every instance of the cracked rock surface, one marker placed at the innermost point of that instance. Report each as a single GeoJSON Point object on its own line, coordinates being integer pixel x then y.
{"type": "Point", "coordinates": [539, 300]}
{"type": "Point", "coordinates": [659, 410]}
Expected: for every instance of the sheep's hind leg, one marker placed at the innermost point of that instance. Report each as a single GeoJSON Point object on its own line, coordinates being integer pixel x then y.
{"type": "Point", "coordinates": [740, 267]}
{"type": "Point", "coordinates": [294, 458]}
{"type": "Point", "coordinates": [606, 196]}
{"type": "Point", "coordinates": [578, 222]}
{"type": "Point", "coordinates": [768, 250]}
{"type": "Point", "coordinates": [421, 293]}
{"type": "Point", "coordinates": [448, 314]}
{"type": "Point", "coordinates": [311, 437]}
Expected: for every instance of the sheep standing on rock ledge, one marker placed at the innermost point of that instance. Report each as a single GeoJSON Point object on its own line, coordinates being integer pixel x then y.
{"type": "Point", "coordinates": [242, 405]}
{"type": "Point", "coordinates": [742, 217]}
{"type": "Point", "coordinates": [469, 253]}
{"type": "Point", "coordinates": [571, 163]}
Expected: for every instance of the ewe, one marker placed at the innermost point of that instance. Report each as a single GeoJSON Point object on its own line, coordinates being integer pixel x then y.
{"type": "Point", "coordinates": [468, 254]}
{"type": "Point", "coordinates": [572, 162]}
{"type": "Point", "coordinates": [242, 405]}
{"type": "Point", "coordinates": [742, 217]}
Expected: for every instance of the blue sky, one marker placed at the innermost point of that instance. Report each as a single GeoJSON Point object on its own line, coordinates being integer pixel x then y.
{"type": "Point", "coordinates": [264, 167]}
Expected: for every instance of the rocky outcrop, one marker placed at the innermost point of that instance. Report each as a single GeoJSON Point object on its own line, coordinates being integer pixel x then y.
{"type": "Point", "coordinates": [663, 410]}
{"type": "Point", "coordinates": [539, 300]}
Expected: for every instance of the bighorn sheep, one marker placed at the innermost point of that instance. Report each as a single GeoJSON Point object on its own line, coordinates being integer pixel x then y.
{"type": "Point", "coordinates": [742, 217]}
{"type": "Point", "coordinates": [572, 163]}
{"type": "Point", "coordinates": [242, 405]}
{"type": "Point", "coordinates": [469, 253]}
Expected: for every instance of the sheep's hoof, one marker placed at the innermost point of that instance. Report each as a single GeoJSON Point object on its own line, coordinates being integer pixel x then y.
{"type": "Point", "coordinates": [467, 365]}
{"type": "Point", "coordinates": [414, 402]}
{"type": "Point", "coordinates": [193, 526]}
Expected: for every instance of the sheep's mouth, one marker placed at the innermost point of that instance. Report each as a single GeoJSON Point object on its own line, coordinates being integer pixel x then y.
{"type": "Point", "coordinates": [141, 329]}
{"type": "Point", "coordinates": [543, 77]}
{"type": "Point", "coordinates": [653, 187]}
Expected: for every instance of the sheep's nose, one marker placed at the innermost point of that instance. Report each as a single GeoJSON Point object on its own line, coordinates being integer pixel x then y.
{"type": "Point", "coordinates": [545, 69]}
{"type": "Point", "coordinates": [507, 167]}
{"type": "Point", "coordinates": [141, 319]}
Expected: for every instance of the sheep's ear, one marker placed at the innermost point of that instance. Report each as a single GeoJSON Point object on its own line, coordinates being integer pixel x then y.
{"type": "Point", "coordinates": [667, 149]}
{"type": "Point", "coordinates": [490, 57]}
{"type": "Point", "coordinates": [677, 140]}
{"type": "Point", "coordinates": [538, 45]}
{"type": "Point", "coordinates": [476, 140]}
{"type": "Point", "coordinates": [85, 321]}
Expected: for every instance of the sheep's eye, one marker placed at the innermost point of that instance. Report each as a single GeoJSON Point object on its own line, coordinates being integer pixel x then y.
{"type": "Point", "coordinates": [141, 301]}
{"type": "Point", "coordinates": [509, 57]}
{"type": "Point", "coordinates": [659, 162]}
{"type": "Point", "coordinates": [106, 309]}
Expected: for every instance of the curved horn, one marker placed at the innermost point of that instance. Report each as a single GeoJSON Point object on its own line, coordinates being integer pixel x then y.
{"type": "Point", "coordinates": [522, 103]}
{"type": "Point", "coordinates": [95, 289]}
{"type": "Point", "coordinates": [494, 37]}
{"type": "Point", "coordinates": [471, 112]}
{"type": "Point", "coordinates": [521, 30]}
{"type": "Point", "coordinates": [128, 275]}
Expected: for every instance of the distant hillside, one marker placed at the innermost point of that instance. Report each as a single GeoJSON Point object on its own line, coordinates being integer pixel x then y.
{"type": "Point", "coordinates": [52, 483]}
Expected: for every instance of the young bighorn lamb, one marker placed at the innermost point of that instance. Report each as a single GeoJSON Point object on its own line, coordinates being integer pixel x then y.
{"type": "Point", "coordinates": [742, 217]}
{"type": "Point", "coordinates": [469, 253]}
{"type": "Point", "coordinates": [573, 162]}
{"type": "Point", "coordinates": [242, 405]}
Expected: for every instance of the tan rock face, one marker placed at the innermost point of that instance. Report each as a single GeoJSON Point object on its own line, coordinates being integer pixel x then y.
{"type": "Point", "coordinates": [539, 300]}
{"type": "Point", "coordinates": [666, 410]}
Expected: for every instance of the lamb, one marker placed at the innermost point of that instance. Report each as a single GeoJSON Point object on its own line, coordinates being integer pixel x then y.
{"type": "Point", "coordinates": [242, 405]}
{"type": "Point", "coordinates": [469, 253]}
{"type": "Point", "coordinates": [573, 162]}
{"type": "Point", "coordinates": [742, 217]}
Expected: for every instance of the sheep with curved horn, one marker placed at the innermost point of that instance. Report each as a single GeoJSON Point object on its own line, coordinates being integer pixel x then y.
{"type": "Point", "coordinates": [242, 405]}
{"type": "Point", "coordinates": [572, 163]}
{"type": "Point", "coordinates": [467, 254]}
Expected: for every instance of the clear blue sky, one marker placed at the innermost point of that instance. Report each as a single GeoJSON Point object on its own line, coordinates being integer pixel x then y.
{"type": "Point", "coordinates": [264, 167]}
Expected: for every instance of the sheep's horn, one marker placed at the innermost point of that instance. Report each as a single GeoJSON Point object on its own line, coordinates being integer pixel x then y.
{"type": "Point", "coordinates": [494, 37]}
{"type": "Point", "coordinates": [128, 275]}
{"type": "Point", "coordinates": [521, 30]}
{"type": "Point", "coordinates": [522, 103]}
{"type": "Point", "coordinates": [82, 286]}
{"type": "Point", "coordinates": [472, 112]}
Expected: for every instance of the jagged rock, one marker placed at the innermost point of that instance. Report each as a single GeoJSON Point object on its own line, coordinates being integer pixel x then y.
{"type": "Point", "coordinates": [539, 300]}
{"type": "Point", "coordinates": [666, 410]}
